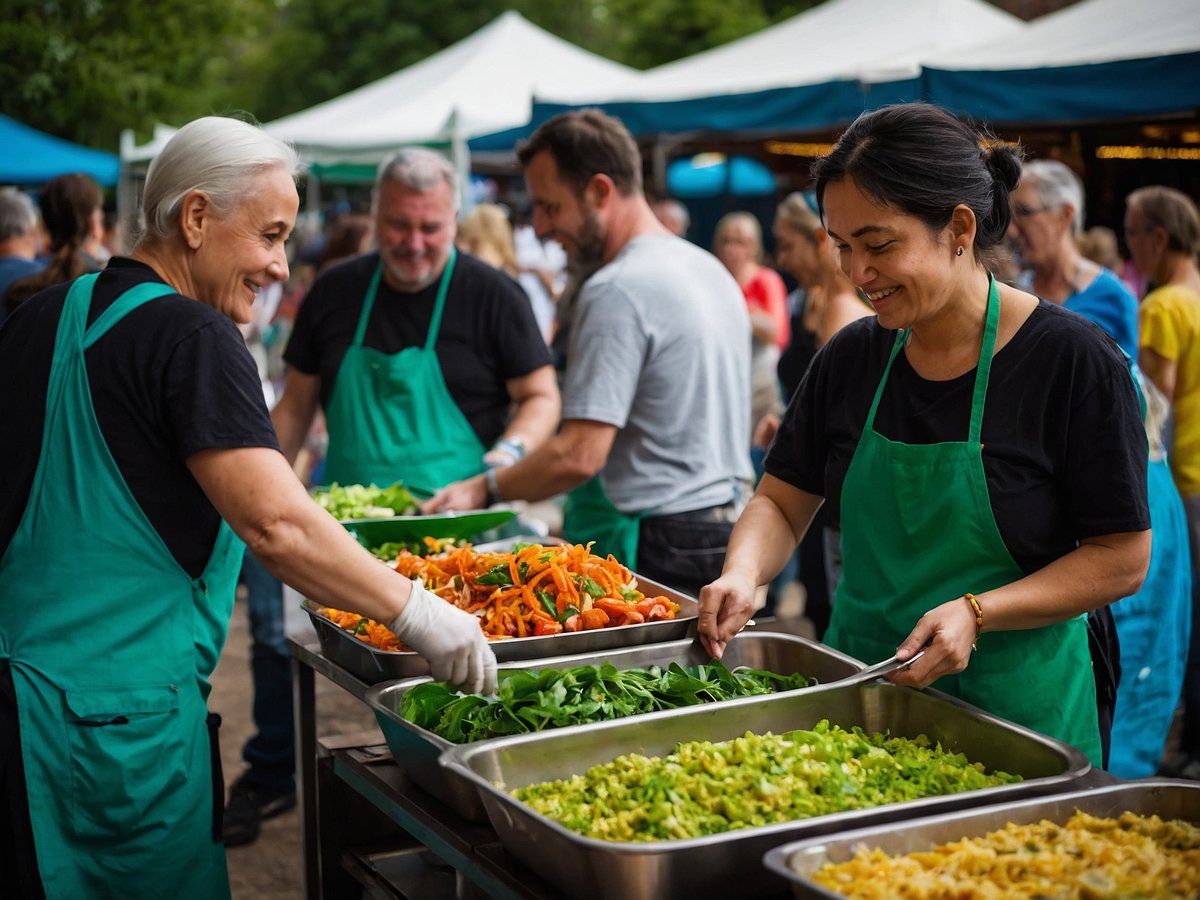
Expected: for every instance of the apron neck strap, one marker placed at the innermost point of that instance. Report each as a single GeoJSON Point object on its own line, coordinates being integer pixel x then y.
{"type": "Point", "coordinates": [982, 373]}
{"type": "Point", "coordinates": [435, 323]}
{"type": "Point", "coordinates": [122, 306]}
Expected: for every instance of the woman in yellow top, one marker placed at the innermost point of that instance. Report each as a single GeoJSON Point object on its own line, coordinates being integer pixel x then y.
{"type": "Point", "coordinates": [1162, 229]}
{"type": "Point", "coordinates": [982, 450]}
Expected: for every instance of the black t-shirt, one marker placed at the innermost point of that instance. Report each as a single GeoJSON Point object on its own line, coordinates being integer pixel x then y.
{"type": "Point", "coordinates": [1064, 448]}
{"type": "Point", "coordinates": [488, 333]}
{"type": "Point", "coordinates": [170, 379]}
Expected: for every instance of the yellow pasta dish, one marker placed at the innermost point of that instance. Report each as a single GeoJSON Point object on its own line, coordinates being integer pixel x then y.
{"type": "Point", "coordinates": [1088, 857]}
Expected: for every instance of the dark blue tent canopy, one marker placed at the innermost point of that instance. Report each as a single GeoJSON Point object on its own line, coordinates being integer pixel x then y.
{"type": "Point", "coordinates": [29, 156]}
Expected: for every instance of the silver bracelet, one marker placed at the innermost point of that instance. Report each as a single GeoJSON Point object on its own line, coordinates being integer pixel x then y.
{"type": "Point", "coordinates": [493, 489]}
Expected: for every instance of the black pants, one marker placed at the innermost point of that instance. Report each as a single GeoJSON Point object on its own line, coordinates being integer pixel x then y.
{"type": "Point", "coordinates": [686, 551]}
{"type": "Point", "coordinates": [18, 859]}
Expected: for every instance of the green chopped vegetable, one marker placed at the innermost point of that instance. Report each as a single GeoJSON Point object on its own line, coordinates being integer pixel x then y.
{"type": "Point", "coordinates": [389, 551]}
{"type": "Point", "coordinates": [358, 501]}
{"type": "Point", "coordinates": [534, 700]}
{"type": "Point", "coordinates": [709, 788]}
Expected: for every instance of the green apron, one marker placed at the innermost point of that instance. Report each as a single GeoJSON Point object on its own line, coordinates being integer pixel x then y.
{"type": "Point", "coordinates": [918, 530]}
{"type": "Point", "coordinates": [111, 644]}
{"type": "Point", "coordinates": [392, 418]}
{"type": "Point", "coordinates": [588, 515]}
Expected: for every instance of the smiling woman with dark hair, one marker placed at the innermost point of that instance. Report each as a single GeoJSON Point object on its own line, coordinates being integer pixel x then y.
{"type": "Point", "coordinates": [981, 450]}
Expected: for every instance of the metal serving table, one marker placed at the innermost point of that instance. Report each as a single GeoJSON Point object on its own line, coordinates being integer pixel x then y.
{"type": "Point", "coordinates": [367, 824]}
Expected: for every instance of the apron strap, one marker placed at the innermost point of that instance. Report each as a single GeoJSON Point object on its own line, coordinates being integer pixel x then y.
{"type": "Point", "coordinates": [122, 306]}
{"type": "Point", "coordinates": [368, 305]}
{"type": "Point", "coordinates": [982, 372]}
{"type": "Point", "coordinates": [435, 321]}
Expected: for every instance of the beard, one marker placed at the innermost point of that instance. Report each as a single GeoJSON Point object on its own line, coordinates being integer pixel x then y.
{"type": "Point", "coordinates": [589, 246]}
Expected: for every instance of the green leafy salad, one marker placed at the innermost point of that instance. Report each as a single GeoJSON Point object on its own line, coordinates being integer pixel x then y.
{"type": "Point", "coordinates": [709, 788]}
{"type": "Point", "coordinates": [552, 698]}
{"type": "Point", "coordinates": [366, 501]}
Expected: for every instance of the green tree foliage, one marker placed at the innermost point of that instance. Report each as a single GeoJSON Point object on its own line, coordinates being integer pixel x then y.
{"type": "Point", "coordinates": [86, 69]}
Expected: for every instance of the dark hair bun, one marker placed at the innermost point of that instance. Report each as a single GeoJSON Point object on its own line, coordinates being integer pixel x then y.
{"type": "Point", "coordinates": [1005, 164]}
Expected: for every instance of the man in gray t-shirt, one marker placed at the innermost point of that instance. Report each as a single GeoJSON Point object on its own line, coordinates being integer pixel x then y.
{"type": "Point", "coordinates": [656, 401]}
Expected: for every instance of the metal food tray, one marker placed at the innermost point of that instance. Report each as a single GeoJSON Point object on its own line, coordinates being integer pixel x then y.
{"type": "Point", "coordinates": [728, 865]}
{"type": "Point", "coordinates": [416, 749]}
{"type": "Point", "coordinates": [373, 665]}
{"type": "Point", "coordinates": [1164, 797]}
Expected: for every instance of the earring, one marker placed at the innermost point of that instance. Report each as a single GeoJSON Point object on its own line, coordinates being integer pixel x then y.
{"type": "Point", "coordinates": [960, 252]}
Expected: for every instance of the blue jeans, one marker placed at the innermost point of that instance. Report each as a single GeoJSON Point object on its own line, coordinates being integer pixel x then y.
{"type": "Point", "coordinates": [271, 753]}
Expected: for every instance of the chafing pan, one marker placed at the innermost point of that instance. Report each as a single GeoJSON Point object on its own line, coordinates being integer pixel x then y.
{"type": "Point", "coordinates": [374, 666]}
{"type": "Point", "coordinates": [796, 861]}
{"type": "Point", "coordinates": [729, 864]}
{"type": "Point", "coordinates": [416, 749]}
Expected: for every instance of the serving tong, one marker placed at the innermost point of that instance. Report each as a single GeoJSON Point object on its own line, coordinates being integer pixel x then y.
{"type": "Point", "coordinates": [870, 673]}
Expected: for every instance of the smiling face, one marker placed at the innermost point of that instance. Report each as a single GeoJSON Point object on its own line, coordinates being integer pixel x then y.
{"type": "Point", "coordinates": [905, 271]}
{"type": "Point", "coordinates": [415, 231]}
{"type": "Point", "coordinates": [243, 252]}
{"type": "Point", "coordinates": [562, 214]}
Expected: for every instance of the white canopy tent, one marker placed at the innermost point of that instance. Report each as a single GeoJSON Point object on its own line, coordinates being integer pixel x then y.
{"type": "Point", "coordinates": [1098, 59]}
{"type": "Point", "coordinates": [484, 83]}
{"type": "Point", "coordinates": [804, 69]}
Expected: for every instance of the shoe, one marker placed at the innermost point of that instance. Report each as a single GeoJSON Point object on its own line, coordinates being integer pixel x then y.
{"type": "Point", "coordinates": [248, 806]}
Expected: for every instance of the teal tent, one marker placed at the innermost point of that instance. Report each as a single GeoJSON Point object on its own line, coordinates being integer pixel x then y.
{"type": "Point", "coordinates": [29, 156]}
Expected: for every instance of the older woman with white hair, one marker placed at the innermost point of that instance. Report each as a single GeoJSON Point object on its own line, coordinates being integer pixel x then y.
{"type": "Point", "coordinates": [139, 456]}
{"type": "Point", "coordinates": [1047, 216]}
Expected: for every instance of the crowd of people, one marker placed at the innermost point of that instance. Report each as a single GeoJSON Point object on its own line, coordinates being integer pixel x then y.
{"type": "Point", "coordinates": [1000, 471]}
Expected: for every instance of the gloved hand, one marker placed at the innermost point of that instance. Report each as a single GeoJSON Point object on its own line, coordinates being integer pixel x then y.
{"type": "Point", "coordinates": [450, 639]}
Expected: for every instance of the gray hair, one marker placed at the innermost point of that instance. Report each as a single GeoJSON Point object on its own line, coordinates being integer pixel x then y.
{"type": "Point", "coordinates": [216, 155]}
{"type": "Point", "coordinates": [17, 214]}
{"type": "Point", "coordinates": [418, 170]}
{"type": "Point", "coordinates": [1057, 186]}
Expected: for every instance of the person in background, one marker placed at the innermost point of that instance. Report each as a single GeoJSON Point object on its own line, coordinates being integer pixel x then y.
{"type": "Point", "coordinates": [73, 215]}
{"type": "Point", "coordinates": [674, 216]}
{"type": "Point", "coordinates": [1162, 230]}
{"type": "Point", "coordinates": [965, 532]}
{"type": "Point", "coordinates": [737, 242]}
{"type": "Point", "coordinates": [804, 249]}
{"type": "Point", "coordinates": [18, 240]}
{"type": "Point", "coordinates": [133, 388]}
{"type": "Point", "coordinates": [656, 420]}
{"type": "Point", "coordinates": [1152, 624]}
{"type": "Point", "coordinates": [1047, 217]}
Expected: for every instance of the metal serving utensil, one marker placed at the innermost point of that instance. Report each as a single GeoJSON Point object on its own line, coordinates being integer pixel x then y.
{"type": "Point", "coordinates": [870, 673]}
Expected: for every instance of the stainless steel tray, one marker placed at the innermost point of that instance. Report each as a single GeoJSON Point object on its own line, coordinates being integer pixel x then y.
{"type": "Point", "coordinates": [416, 749]}
{"type": "Point", "coordinates": [796, 861]}
{"type": "Point", "coordinates": [728, 865]}
{"type": "Point", "coordinates": [373, 665]}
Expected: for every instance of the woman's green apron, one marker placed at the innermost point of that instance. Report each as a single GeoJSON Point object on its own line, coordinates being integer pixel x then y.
{"type": "Point", "coordinates": [111, 645]}
{"type": "Point", "coordinates": [392, 418]}
{"type": "Point", "coordinates": [918, 530]}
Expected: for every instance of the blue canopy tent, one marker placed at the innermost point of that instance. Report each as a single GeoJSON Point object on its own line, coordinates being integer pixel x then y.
{"type": "Point", "coordinates": [29, 156]}
{"type": "Point", "coordinates": [812, 72]}
{"type": "Point", "coordinates": [1099, 60]}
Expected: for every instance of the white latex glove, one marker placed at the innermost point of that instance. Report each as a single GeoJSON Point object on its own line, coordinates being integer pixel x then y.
{"type": "Point", "coordinates": [450, 639]}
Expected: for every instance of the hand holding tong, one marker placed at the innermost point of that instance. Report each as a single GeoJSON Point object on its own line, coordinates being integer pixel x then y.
{"type": "Point", "coordinates": [892, 664]}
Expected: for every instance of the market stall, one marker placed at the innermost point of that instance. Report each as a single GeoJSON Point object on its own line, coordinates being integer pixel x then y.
{"type": "Point", "coordinates": [419, 814]}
